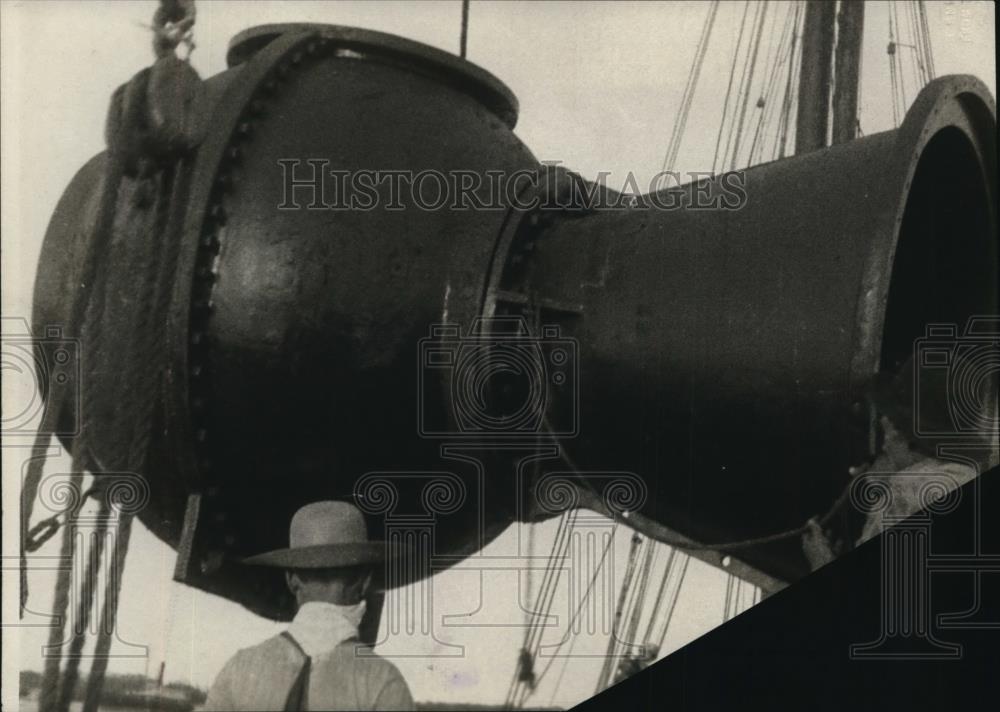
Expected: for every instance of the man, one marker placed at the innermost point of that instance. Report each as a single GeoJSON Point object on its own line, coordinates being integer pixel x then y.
{"type": "Point", "coordinates": [909, 465]}
{"type": "Point", "coordinates": [318, 662]}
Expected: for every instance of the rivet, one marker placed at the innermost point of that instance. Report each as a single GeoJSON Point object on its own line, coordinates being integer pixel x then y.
{"type": "Point", "coordinates": [208, 239]}
{"type": "Point", "coordinates": [217, 213]}
{"type": "Point", "coordinates": [201, 435]}
{"type": "Point", "coordinates": [312, 48]}
{"type": "Point", "coordinates": [196, 370]}
{"type": "Point", "coordinates": [213, 490]}
{"type": "Point", "coordinates": [245, 130]}
{"type": "Point", "coordinates": [196, 338]}
{"type": "Point", "coordinates": [224, 182]}
{"type": "Point", "coordinates": [297, 58]}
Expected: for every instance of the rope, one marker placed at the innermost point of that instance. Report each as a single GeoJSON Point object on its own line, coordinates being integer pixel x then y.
{"type": "Point", "coordinates": [749, 84]}
{"type": "Point", "coordinates": [463, 39]}
{"type": "Point", "coordinates": [173, 25]}
{"type": "Point", "coordinates": [604, 677]}
{"type": "Point", "coordinates": [583, 601]}
{"type": "Point", "coordinates": [771, 86]}
{"type": "Point", "coordinates": [48, 698]}
{"type": "Point", "coordinates": [901, 79]}
{"type": "Point", "coordinates": [917, 46]}
{"type": "Point", "coordinates": [524, 680]}
{"type": "Point", "coordinates": [687, 98]}
{"type": "Point", "coordinates": [85, 604]}
{"type": "Point", "coordinates": [729, 87]}
{"type": "Point", "coordinates": [675, 593]}
{"type": "Point", "coordinates": [926, 38]}
{"type": "Point", "coordinates": [112, 591]}
{"type": "Point", "coordinates": [791, 87]}
{"type": "Point", "coordinates": [640, 597]}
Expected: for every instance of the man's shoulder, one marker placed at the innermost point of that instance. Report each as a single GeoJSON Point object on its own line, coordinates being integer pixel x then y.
{"type": "Point", "coordinates": [267, 652]}
{"type": "Point", "coordinates": [362, 654]}
{"type": "Point", "coordinates": [256, 677]}
{"type": "Point", "coordinates": [374, 681]}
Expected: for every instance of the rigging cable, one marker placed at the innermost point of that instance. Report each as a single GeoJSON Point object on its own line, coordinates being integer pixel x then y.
{"type": "Point", "coordinates": [926, 38]}
{"type": "Point", "coordinates": [749, 86]}
{"type": "Point", "coordinates": [791, 87]}
{"type": "Point", "coordinates": [729, 88]}
{"type": "Point", "coordinates": [647, 569]}
{"type": "Point", "coordinates": [672, 598]}
{"type": "Point", "coordinates": [893, 82]}
{"type": "Point", "coordinates": [579, 608]}
{"type": "Point", "coordinates": [603, 678]}
{"type": "Point", "coordinates": [524, 679]}
{"type": "Point", "coordinates": [687, 98]}
{"type": "Point", "coordinates": [767, 102]}
{"type": "Point", "coordinates": [463, 38]}
{"type": "Point", "coordinates": [901, 78]}
{"type": "Point", "coordinates": [740, 89]}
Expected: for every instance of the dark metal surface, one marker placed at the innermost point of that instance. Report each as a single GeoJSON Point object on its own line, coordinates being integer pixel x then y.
{"type": "Point", "coordinates": [721, 353]}
{"type": "Point", "coordinates": [724, 353]}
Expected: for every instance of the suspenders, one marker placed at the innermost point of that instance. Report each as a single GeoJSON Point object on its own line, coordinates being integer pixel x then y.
{"type": "Point", "coordinates": [297, 694]}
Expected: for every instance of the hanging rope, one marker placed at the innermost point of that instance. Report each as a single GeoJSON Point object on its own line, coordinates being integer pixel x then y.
{"type": "Point", "coordinates": [576, 615]}
{"type": "Point", "coordinates": [670, 598]}
{"type": "Point", "coordinates": [463, 38]}
{"type": "Point", "coordinates": [605, 675]}
{"type": "Point", "coordinates": [751, 68]}
{"type": "Point", "coordinates": [86, 603]}
{"type": "Point", "coordinates": [126, 430]}
{"type": "Point", "coordinates": [925, 34]}
{"type": "Point", "coordinates": [768, 101]}
{"type": "Point", "coordinates": [112, 591]}
{"type": "Point", "coordinates": [49, 694]}
{"type": "Point", "coordinates": [791, 86]}
{"type": "Point", "coordinates": [729, 87]}
{"type": "Point", "coordinates": [173, 25]}
{"type": "Point", "coordinates": [524, 680]}
{"type": "Point", "coordinates": [687, 98]}
{"type": "Point", "coordinates": [645, 572]}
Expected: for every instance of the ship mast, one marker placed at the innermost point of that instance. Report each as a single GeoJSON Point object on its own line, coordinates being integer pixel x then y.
{"type": "Point", "coordinates": [826, 63]}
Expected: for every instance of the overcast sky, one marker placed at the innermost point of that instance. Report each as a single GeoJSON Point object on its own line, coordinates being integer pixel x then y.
{"type": "Point", "coordinates": [598, 85]}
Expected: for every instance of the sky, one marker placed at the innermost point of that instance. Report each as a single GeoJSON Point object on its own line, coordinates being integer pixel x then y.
{"type": "Point", "coordinates": [598, 85]}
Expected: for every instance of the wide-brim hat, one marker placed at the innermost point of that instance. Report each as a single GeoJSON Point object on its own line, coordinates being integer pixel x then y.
{"type": "Point", "coordinates": [324, 535]}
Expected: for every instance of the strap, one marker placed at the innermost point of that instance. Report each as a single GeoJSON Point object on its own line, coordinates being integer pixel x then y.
{"type": "Point", "coordinates": [296, 699]}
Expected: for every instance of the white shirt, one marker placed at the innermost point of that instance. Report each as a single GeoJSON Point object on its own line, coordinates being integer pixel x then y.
{"type": "Point", "coordinates": [262, 677]}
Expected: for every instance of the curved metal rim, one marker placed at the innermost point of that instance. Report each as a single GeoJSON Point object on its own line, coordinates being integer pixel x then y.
{"type": "Point", "coordinates": [933, 110]}
{"type": "Point", "coordinates": [464, 75]}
